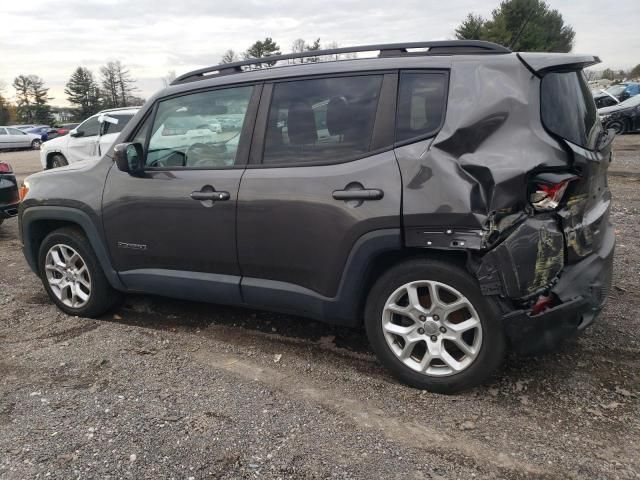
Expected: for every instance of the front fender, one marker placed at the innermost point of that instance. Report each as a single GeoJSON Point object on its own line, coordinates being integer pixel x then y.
{"type": "Point", "coordinates": [32, 220]}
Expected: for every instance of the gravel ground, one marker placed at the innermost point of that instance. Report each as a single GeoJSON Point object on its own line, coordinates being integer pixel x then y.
{"type": "Point", "coordinates": [168, 389]}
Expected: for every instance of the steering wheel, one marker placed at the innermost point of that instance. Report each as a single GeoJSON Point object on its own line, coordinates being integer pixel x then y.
{"type": "Point", "coordinates": [199, 154]}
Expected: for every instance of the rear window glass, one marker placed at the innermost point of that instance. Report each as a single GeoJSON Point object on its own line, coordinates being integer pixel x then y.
{"type": "Point", "coordinates": [421, 105]}
{"type": "Point", "coordinates": [568, 109]}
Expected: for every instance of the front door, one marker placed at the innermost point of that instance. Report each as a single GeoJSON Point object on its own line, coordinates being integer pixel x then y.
{"type": "Point", "coordinates": [82, 145]}
{"type": "Point", "coordinates": [327, 178]}
{"type": "Point", "coordinates": [172, 230]}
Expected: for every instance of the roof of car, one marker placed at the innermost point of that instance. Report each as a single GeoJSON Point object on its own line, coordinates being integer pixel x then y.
{"type": "Point", "coordinates": [125, 110]}
{"type": "Point", "coordinates": [434, 55]}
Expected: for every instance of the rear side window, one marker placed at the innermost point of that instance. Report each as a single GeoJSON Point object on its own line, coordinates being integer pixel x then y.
{"type": "Point", "coordinates": [568, 109]}
{"type": "Point", "coordinates": [322, 120]}
{"type": "Point", "coordinates": [110, 127]}
{"type": "Point", "coordinates": [421, 105]}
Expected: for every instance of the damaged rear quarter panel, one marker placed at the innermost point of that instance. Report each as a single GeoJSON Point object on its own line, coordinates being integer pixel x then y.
{"type": "Point", "coordinates": [477, 168]}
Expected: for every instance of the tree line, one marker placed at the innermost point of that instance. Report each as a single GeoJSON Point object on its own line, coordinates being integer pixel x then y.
{"type": "Point", "coordinates": [268, 47]}
{"type": "Point", "coordinates": [87, 95]}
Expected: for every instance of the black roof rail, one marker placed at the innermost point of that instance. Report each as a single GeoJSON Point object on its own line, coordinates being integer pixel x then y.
{"type": "Point", "coordinates": [438, 47]}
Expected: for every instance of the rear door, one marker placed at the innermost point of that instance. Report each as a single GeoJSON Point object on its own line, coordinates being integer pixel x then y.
{"type": "Point", "coordinates": [5, 139]}
{"type": "Point", "coordinates": [322, 175]}
{"type": "Point", "coordinates": [112, 124]}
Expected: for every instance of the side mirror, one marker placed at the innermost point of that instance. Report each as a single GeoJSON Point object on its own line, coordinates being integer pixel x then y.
{"type": "Point", "coordinates": [129, 157]}
{"type": "Point", "coordinates": [75, 133]}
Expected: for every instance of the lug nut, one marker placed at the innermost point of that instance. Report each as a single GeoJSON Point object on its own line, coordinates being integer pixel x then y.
{"type": "Point", "coordinates": [422, 318]}
{"type": "Point", "coordinates": [421, 331]}
{"type": "Point", "coordinates": [433, 338]}
{"type": "Point", "coordinates": [443, 330]}
{"type": "Point", "coordinates": [436, 317]}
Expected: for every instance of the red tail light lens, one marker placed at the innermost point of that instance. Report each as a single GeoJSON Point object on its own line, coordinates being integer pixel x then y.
{"type": "Point", "coordinates": [5, 168]}
{"type": "Point", "coordinates": [547, 196]}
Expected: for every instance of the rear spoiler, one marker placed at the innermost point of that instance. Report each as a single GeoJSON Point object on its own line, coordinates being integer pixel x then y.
{"type": "Point", "coordinates": [541, 63]}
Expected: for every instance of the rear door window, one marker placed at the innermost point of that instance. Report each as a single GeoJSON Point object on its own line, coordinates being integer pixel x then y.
{"type": "Point", "coordinates": [421, 105]}
{"type": "Point", "coordinates": [323, 120]}
{"type": "Point", "coordinates": [110, 127]}
{"type": "Point", "coordinates": [568, 109]}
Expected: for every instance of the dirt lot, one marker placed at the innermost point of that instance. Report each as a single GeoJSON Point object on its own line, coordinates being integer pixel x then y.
{"type": "Point", "coordinates": [168, 389]}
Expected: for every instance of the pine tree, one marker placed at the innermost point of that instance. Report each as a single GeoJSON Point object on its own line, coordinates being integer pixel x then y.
{"type": "Point", "coordinates": [264, 48]}
{"type": "Point", "coordinates": [83, 92]}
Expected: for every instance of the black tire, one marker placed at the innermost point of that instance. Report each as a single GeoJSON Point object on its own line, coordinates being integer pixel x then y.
{"type": "Point", "coordinates": [102, 296]}
{"type": "Point", "coordinates": [58, 160]}
{"type": "Point", "coordinates": [36, 144]}
{"type": "Point", "coordinates": [491, 351]}
{"type": "Point", "coordinates": [619, 126]}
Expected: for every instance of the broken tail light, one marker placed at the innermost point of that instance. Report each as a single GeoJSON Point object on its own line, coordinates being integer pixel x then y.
{"type": "Point", "coordinates": [5, 168]}
{"type": "Point", "coordinates": [548, 189]}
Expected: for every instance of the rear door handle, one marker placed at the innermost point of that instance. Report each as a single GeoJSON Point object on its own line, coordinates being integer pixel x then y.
{"type": "Point", "coordinates": [362, 194]}
{"type": "Point", "coordinates": [215, 196]}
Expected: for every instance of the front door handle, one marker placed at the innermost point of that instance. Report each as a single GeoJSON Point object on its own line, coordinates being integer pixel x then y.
{"type": "Point", "coordinates": [360, 194]}
{"type": "Point", "coordinates": [214, 196]}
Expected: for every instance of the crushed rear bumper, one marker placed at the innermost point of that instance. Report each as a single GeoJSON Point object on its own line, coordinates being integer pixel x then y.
{"type": "Point", "coordinates": [581, 290]}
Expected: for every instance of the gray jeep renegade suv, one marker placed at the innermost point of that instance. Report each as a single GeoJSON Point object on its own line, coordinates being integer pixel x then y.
{"type": "Point", "coordinates": [450, 196]}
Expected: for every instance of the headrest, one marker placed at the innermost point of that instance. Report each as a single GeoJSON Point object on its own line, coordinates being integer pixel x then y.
{"type": "Point", "coordinates": [338, 117]}
{"type": "Point", "coordinates": [301, 124]}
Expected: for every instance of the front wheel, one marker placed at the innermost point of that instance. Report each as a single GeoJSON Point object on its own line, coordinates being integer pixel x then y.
{"type": "Point", "coordinates": [58, 161]}
{"type": "Point", "coordinates": [430, 325]}
{"type": "Point", "coordinates": [618, 126]}
{"type": "Point", "coordinates": [36, 144]}
{"type": "Point", "coordinates": [72, 276]}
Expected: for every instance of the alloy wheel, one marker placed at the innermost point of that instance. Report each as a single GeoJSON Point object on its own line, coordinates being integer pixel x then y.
{"type": "Point", "coordinates": [432, 328]}
{"type": "Point", "coordinates": [68, 276]}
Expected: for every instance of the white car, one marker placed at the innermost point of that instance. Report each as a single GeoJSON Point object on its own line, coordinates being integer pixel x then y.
{"type": "Point", "coordinates": [11, 137]}
{"type": "Point", "coordinates": [88, 141]}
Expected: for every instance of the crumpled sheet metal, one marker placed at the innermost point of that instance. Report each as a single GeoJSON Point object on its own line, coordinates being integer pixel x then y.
{"type": "Point", "coordinates": [479, 162]}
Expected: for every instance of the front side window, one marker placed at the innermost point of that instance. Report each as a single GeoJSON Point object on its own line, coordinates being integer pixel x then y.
{"type": "Point", "coordinates": [421, 105]}
{"type": "Point", "coordinates": [201, 130]}
{"type": "Point", "coordinates": [322, 120]}
{"type": "Point", "coordinates": [111, 127]}
{"type": "Point", "coordinates": [89, 128]}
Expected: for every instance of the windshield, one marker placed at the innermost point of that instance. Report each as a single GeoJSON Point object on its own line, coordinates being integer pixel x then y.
{"type": "Point", "coordinates": [568, 109]}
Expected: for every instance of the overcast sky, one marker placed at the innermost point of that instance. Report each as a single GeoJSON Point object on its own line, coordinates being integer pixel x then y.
{"type": "Point", "coordinates": [50, 38]}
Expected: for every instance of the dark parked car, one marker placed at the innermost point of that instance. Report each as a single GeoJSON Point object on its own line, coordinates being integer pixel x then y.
{"type": "Point", "coordinates": [623, 117]}
{"type": "Point", "coordinates": [9, 196]}
{"type": "Point", "coordinates": [616, 93]}
{"type": "Point", "coordinates": [42, 130]}
{"type": "Point", "coordinates": [416, 193]}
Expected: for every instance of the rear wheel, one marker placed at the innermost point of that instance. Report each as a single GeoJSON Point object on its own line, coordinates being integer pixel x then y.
{"type": "Point", "coordinates": [431, 326]}
{"type": "Point", "coordinates": [58, 160]}
{"type": "Point", "coordinates": [72, 276]}
{"type": "Point", "coordinates": [35, 145]}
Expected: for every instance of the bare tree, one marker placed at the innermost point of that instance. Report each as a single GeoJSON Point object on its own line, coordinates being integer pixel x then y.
{"type": "Point", "coordinates": [298, 46]}
{"type": "Point", "coordinates": [229, 56]}
{"type": "Point", "coordinates": [170, 77]}
{"type": "Point", "coordinates": [117, 85]}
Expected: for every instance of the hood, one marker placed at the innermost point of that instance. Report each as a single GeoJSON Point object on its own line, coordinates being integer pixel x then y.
{"type": "Point", "coordinates": [82, 165]}
{"type": "Point", "coordinates": [611, 109]}
{"type": "Point", "coordinates": [58, 142]}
